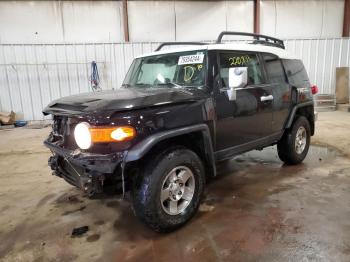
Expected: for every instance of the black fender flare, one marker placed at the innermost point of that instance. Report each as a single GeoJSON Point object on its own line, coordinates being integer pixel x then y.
{"type": "Point", "coordinates": [294, 110]}
{"type": "Point", "coordinates": [139, 150]}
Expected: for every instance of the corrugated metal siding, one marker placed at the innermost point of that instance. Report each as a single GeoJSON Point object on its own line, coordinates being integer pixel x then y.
{"type": "Point", "coordinates": [33, 75]}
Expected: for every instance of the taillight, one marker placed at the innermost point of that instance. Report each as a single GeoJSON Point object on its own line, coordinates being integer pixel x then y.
{"type": "Point", "coordinates": [314, 89]}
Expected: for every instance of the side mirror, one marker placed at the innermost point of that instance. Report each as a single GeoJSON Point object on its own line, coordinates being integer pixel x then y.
{"type": "Point", "coordinates": [237, 78]}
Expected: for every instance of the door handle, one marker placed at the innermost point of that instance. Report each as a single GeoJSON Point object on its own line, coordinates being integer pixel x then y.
{"type": "Point", "coordinates": [266, 98]}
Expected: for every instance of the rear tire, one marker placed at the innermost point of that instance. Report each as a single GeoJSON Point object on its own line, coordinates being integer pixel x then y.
{"type": "Point", "coordinates": [294, 145]}
{"type": "Point", "coordinates": [168, 191]}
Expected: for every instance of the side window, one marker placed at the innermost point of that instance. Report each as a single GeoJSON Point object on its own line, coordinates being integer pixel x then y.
{"type": "Point", "coordinates": [274, 69]}
{"type": "Point", "coordinates": [239, 59]}
{"type": "Point", "coordinates": [296, 72]}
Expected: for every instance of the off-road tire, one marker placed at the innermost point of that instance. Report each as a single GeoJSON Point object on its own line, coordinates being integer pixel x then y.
{"type": "Point", "coordinates": [147, 189]}
{"type": "Point", "coordinates": [286, 146]}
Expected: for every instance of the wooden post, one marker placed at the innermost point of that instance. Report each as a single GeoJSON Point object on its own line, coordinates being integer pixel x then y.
{"type": "Point", "coordinates": [257, 16]}
{"type": "Point", "coordinates": [346, 22]}
{"type": "Point", "coordinates": [126, 20]}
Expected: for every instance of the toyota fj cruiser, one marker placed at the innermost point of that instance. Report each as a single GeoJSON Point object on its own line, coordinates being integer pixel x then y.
{"type": "Point", "coordinates": [178, 112]}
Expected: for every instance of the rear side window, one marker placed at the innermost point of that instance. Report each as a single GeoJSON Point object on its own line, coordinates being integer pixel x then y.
{"type": "Point", "coordinates": [238, 59]}
{"type": "Point", "coordinates": [274, 69]}
{"type": "Point", "coordinates": [296, 73]}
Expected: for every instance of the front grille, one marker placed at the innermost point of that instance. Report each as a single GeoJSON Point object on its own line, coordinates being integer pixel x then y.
{"type": "Point", "coordinates": [58, 130]}
{"type": "Point", "coordinates": [59, 125]}
{"type": "Point", "coordinates": [63, 132]}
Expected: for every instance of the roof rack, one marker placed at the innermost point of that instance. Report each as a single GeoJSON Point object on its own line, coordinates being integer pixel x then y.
{"type": "Point", "coordinates": [259, 39]}
{"type": "Point", "coordinates": [178, 43]}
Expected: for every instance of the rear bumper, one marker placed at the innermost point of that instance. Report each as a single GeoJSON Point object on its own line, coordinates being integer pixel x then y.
{"type": "Point", "coordinates": [86, 171]}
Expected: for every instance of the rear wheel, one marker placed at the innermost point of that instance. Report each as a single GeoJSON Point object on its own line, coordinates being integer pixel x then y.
{"type": "Point", "coordinates": [294, 145]}
{"type": "Point", "coordinates": [169, 189]}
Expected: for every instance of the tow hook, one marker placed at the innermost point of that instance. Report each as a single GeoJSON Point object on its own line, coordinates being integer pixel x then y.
{"type": "Point", "coordinates": [90, 185]}
{"type": "Point", "coordinates": [87, 186]}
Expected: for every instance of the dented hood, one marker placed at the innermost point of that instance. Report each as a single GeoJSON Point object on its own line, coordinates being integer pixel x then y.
{"type": "Point", "coordinates": [120, 100]}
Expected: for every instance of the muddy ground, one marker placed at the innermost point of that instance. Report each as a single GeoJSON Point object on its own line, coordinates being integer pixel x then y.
{"type": "Point", "coordinates": [256, 210]}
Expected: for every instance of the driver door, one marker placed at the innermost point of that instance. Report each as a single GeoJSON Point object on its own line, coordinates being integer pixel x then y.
{"type": "Point", "coordinates": [247, 119]}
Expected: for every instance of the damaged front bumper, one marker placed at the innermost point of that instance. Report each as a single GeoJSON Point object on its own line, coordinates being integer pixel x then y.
{"type": "Point", "coordinates": [86, 171]}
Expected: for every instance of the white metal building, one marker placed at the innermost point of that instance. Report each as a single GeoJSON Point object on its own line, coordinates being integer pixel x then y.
{"type": "Point", "coordinates": [46, 47]}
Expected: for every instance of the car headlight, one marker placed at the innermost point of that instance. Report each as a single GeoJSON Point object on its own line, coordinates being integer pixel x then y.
{"type": "Point", "coordinates": [82, 135]}
{"type": "Point", "coordinates": [86, 135]}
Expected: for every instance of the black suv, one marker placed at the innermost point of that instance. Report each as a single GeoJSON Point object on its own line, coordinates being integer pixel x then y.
{"type": "Point", "coordinates": [178, 112]}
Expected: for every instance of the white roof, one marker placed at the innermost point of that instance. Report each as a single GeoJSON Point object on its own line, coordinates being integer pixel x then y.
{"type": "Point", "coordinates": [281, 53]}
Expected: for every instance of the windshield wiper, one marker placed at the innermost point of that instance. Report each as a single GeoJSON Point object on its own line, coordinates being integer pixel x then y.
{"type": "Point", "coordinates": [176, 85]}
{"type": "Point", "coordinates": [142, 85]}
{"type": "Point", "coordinates": [182, 86]}
{"type": "Point", "coordinates": [188, 86]}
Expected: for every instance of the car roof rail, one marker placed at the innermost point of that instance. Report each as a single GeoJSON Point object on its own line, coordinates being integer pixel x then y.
{"type": "Point", "coordinates": [178, 43]}
{"type": "Point", "coordinates": [259, 39]}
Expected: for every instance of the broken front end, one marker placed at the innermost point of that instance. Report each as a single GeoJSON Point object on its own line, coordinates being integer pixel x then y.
{"type": "Point", "coordinates": [85, 156]}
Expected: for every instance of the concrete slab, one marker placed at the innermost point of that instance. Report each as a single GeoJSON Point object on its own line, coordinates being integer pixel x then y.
{"type": "Point", "coordinates": [257, 209]}
{"type": "Point", "coordinates": [343, 107]}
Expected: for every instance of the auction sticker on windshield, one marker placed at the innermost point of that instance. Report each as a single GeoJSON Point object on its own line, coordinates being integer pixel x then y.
{"type": "Point", "coordinates": [191, 59]}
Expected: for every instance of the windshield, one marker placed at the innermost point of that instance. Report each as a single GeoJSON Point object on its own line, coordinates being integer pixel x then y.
{"type": "Point", "coordinates": [181, 69]}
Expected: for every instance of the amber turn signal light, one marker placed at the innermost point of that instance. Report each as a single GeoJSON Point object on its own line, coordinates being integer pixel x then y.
{"type": "Point", "coordinates": [112, 134]}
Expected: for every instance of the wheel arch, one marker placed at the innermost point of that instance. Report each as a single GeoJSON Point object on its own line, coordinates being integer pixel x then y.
{"type": "Point", "coordinates": [195, 137]}
{"type": "Point", "coordinates": [304, 109]}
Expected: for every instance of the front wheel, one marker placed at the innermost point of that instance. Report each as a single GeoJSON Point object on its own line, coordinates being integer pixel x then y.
{"type": "Point", "coordinates": [168, 191]}
{"type": "Point", "coordinates": [294, 145]}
